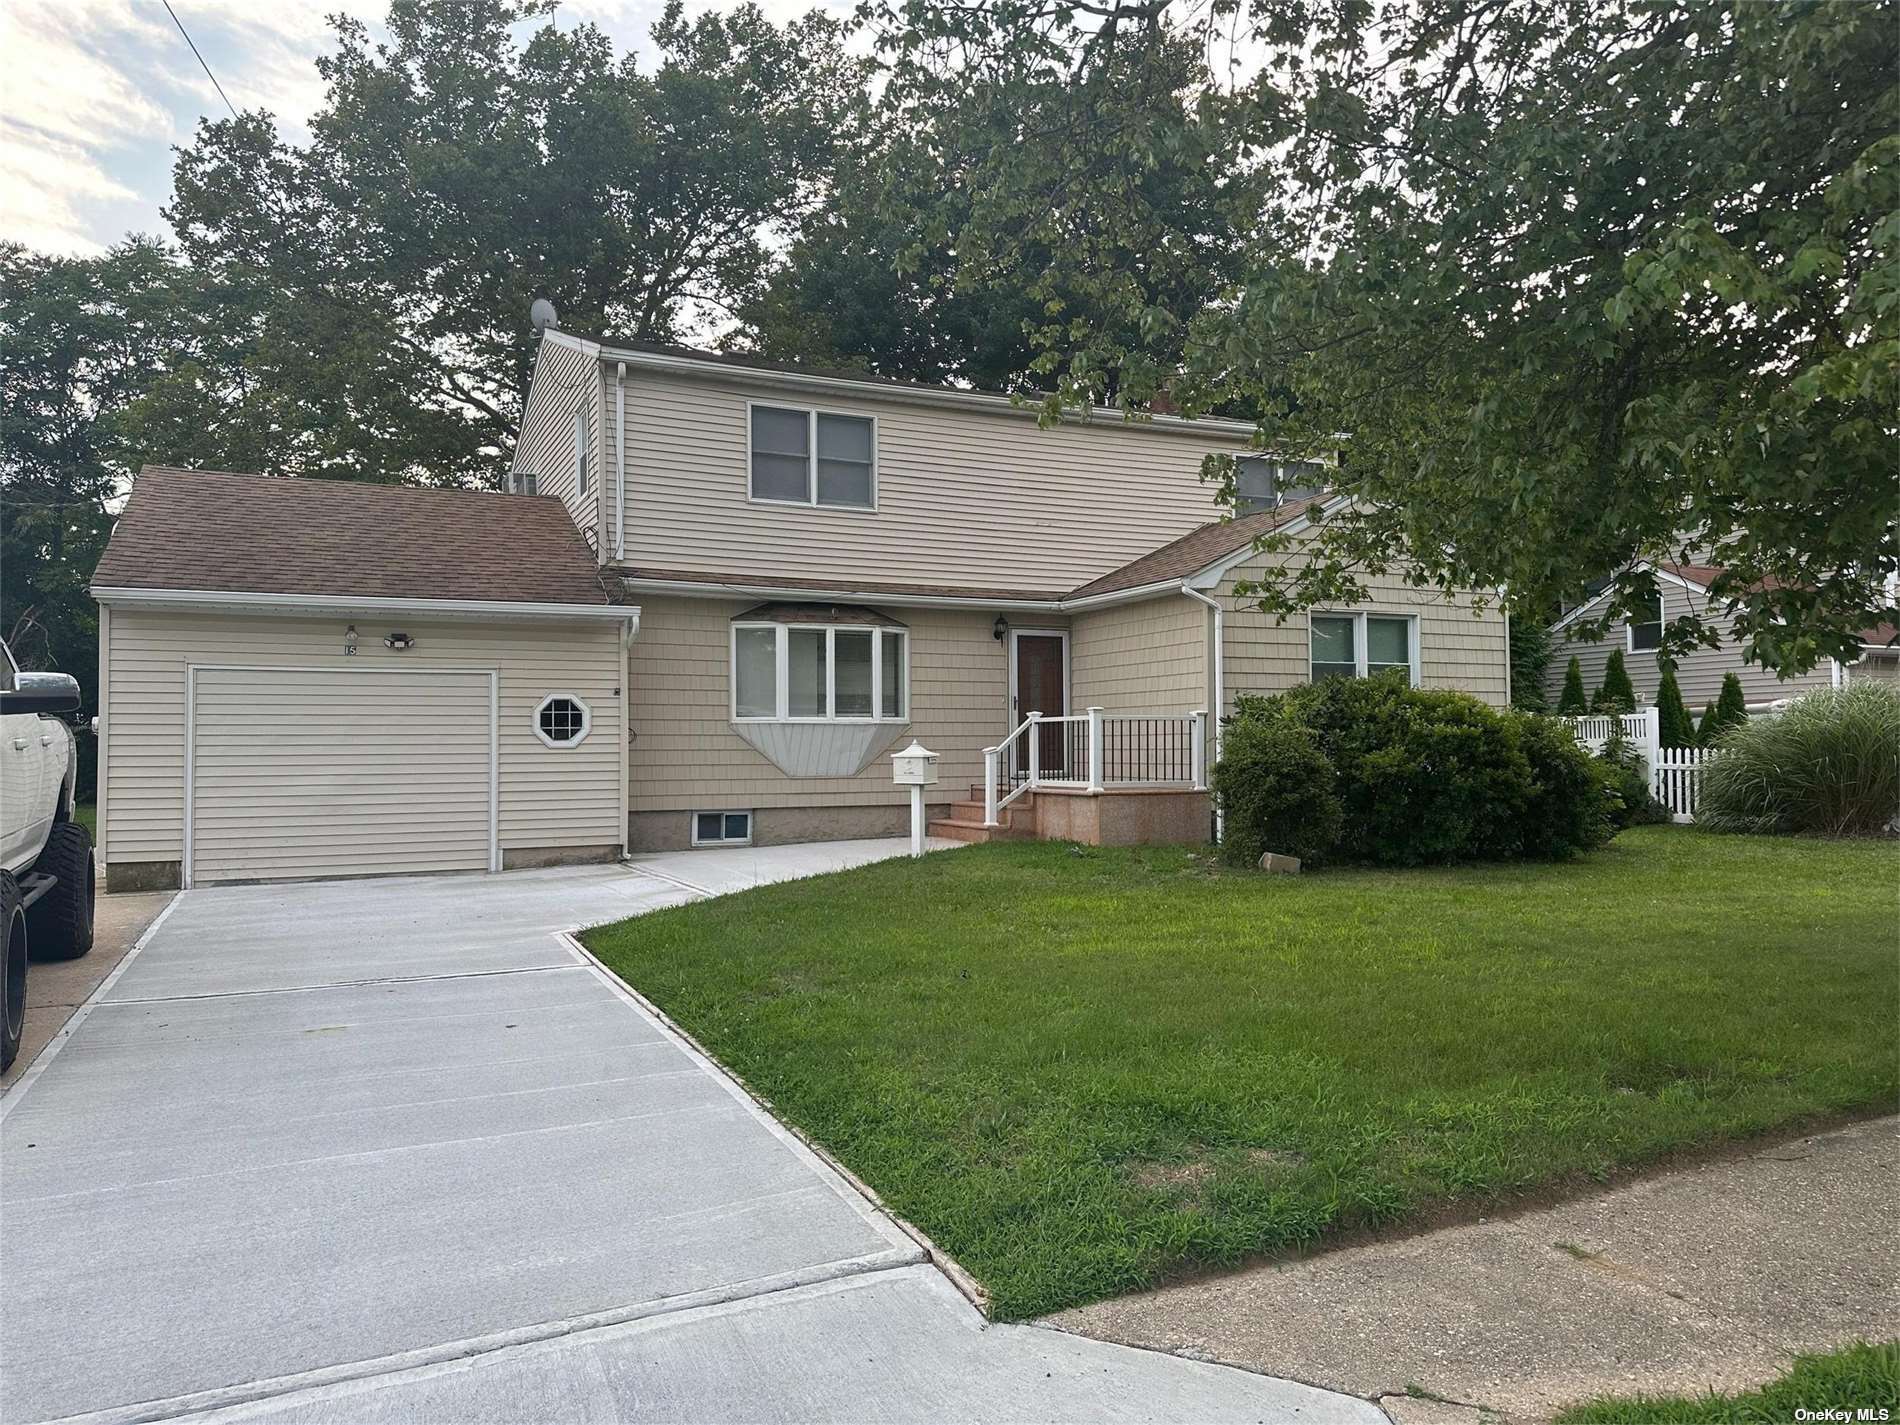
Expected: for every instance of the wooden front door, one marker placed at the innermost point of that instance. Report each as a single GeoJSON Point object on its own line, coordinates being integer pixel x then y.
{"type": "Point", "coordinates": [1042, 686]}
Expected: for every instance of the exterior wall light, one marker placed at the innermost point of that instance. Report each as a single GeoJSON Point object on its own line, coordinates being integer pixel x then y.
{"type": "Point", "coordinates": [399, 641]}
{"type": "Point", "coordinates": [1000, 629]}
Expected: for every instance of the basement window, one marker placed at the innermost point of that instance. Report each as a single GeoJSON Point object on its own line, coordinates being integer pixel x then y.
{"type": "Point", "coordinates": [722, 828]}
{"type": "Point", "coordinates": [562, 720]}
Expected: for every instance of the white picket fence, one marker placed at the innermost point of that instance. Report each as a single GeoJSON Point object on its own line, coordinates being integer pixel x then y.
{"type": "Point", "coordinates": [1675, 773]}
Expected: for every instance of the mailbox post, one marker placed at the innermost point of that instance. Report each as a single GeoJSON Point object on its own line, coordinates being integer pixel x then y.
{"type": "Point", "coordinates": [915, 767]}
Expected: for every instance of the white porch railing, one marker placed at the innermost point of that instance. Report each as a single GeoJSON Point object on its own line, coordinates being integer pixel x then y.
{"type": "Point", "coordinates": [1093, 752]}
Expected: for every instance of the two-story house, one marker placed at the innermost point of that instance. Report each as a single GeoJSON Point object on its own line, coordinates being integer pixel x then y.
{"type": "Point", "coordinates": [717, 596]}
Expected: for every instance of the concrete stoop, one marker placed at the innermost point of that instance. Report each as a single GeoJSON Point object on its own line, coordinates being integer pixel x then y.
{"type": "Point", "coordinates": [1120, 816]}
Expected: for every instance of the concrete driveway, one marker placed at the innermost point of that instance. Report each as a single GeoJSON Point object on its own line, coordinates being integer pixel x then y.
{"type": "Point", "coordinates": [395, 1150]}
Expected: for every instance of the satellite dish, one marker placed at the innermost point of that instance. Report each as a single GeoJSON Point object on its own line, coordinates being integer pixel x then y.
{"type": "Point", "coordinates": [542, 314]}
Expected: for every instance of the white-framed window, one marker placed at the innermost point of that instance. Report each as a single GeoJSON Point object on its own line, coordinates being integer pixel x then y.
{"type": "Point", "coordinates": [1262, 483]}
{"type": "Point", "coordinates": [583, 450]}
{"type": "Point", "coordinates": [563, 720]}
{"type": "Point", "coordinates": [722, 828]}
{"type": "Point", "coordinates": [1358, 645]}
{"type": "Point", "coordinates": [525, 483]}
{"type": "Point", "coordinates": [801, 456]}
{"type": "Point", "coordinates": [1644, 635]}
{"type": "Point", "coordinates": [817, 672]}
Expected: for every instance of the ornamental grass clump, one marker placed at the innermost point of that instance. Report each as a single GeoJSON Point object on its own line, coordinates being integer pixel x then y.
{"type": "Point", "coordinates": [1828, 765]}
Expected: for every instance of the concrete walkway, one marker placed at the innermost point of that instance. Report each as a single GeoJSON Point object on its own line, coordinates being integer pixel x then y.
{"type": "Point", "coordinates": [395, 1150]}
{"type": "Point", "coordinates": [1710, 1277]}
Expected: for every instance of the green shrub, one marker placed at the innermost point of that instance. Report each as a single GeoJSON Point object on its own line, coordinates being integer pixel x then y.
{"type": "Point", "coordinates": [1829, 764]}
{"type": "Point", "coordinates": [1432, 777]}
{"type": "Point", "coordinates": [1568, 811]}
{"type": "Point", "coordinates": [1276, 792]}
{"type": "Point", "coordinates": [1618, 694]}
{"type": "Point", "coordinates": [1530, 656]}
{"type": "Point", "coordinates": [1570, 702]}
{"type": "Point", "coordinates": [1624, 777]}
{"type": "Point", "coordinates": [1675, 727]}
{"type": "Point", "coordinates": [1728, 710]}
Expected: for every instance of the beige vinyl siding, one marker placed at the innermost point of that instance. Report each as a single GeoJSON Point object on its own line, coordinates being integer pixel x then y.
{"type": "Point", "coordinates": [566, 379]}
{"type": "Point", "coordinates": [1148, 658]}
{"type": "Point", "coordinates": [685, 754]}
{"type": "Point", "coordinates": [1699, 674]}
{"type": "Point", "coordinates": [969, 498]}
{"type": "Point", "coordinates": [1458, 648]}
{"type": "Point", "coordinates": [339, 771]}
{"type": "Point", "coordinates": [548, 796]}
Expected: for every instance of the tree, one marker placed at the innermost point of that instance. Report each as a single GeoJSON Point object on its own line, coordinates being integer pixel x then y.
{"type": "Point", "coordinates": [1617, 694]}
{"type": "Point", "coordinates": [1585, 283]}
{"type": "Point", "coordinates": [1675, 726]}
{"type": "Point", "coordinates": [385, 269]}
{"type": "Point", "coordinates": [1530, 656]}
{"type": "Point", "coordinates": [1570, 702]}
{"type": "Point", "coordinates": [1730, 709]}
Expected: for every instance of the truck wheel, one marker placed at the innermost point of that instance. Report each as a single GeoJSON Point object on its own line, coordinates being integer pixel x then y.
{"type": "Point", "coordinates": [12, 971]}
{"type": "Point", "coordinates": [61, 920]}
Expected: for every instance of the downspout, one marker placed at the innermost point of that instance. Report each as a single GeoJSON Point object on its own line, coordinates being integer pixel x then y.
{"type": "Point", "coordinates": [627, 630]}
{"type": "Point", "coordinates": [1220, 685]}
{"type": "Point", "coordinates": [620, 461]}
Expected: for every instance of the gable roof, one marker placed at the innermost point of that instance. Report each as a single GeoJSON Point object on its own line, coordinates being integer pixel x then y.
{"type": "Point", "coordinates": [216, 531]}
{"type": "Point", "coordinates": [1194, 551]}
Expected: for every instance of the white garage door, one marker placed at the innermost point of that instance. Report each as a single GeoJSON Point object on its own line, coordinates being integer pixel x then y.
{"type": "Point", "coordinates": [334, 772]}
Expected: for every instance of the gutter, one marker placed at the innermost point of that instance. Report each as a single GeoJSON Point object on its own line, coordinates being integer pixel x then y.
{"type": "Point", "coordinates": [1220, 685]}
{"type": "Point", "coordinates": [319, 604]}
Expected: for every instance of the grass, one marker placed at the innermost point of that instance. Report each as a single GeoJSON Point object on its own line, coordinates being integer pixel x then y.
{"type": "Point", "coordinates": [1082, 1071]}
{"type": "Point", "coordinates": [87, 815]}
{"type": "Point", "coordinates": [1857, 1377]}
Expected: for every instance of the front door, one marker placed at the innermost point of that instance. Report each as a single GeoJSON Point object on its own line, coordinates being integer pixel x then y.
{"type": "Point", "coordinates": [1042, 686]}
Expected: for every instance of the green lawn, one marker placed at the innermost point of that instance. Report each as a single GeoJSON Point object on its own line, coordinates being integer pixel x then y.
{"type": "Point", "coordinates": [1860, 1377]}
{"type": "Point", "coordinates": [1080, 1071]}
{"type": "Point", "coordinates": [87, 815]}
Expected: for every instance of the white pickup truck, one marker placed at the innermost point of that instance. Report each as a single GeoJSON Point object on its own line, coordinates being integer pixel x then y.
{"type": "Point", "coordinates": [46, 871]}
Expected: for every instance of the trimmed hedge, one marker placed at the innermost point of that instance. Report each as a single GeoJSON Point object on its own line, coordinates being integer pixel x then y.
{"type": "Point", "coordinates": [1276, 791]}
{"type": "Point", "coordinates": [1423, 777]}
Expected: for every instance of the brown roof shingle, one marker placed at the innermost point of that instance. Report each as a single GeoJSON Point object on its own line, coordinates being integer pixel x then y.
{"type": "Point", "coordinates": [214, 530]}
{"type": "Point", "coordinates": [1194, 550]}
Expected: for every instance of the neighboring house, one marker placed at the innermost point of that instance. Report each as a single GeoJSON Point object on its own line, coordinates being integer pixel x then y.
{"type": "Point", "coordinates": [712, 629]}
{"type": "Point", "coordinates": [1684, 588]}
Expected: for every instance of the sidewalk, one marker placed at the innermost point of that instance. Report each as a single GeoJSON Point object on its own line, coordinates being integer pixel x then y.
{"type": "Point", "coordinates": [1709, 1277]}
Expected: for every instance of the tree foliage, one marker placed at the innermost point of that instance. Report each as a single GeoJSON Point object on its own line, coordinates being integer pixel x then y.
{"type": "Point", "coordinates": [1616, 694]}
{"type": "Point", "coordinates": [1730, 709]}
{"type": "Point", "coordinates": [1675, 726]}
{"type": "Point", "coordinates": [1571, 703]}
{"type": "Point", "coordinates": [1583, 282]}
{"type": "Point", "coordinates": [1530, 656]}
{"type": "Point", "coordinates": [379, 277]}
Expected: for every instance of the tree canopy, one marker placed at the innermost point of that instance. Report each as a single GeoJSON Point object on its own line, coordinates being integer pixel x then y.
{"type": "Point", "coordinates": [1573, 284]}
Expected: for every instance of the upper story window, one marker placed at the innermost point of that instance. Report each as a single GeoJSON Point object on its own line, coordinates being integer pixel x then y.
{"type": "Point", "coordinates": [583, 448]}
{"type": "Point", "coordinates": [1360, 645]}
{"type": "Point", "coordinates": [1645, 633]}
{"type": "Point", "coordinates": [807, 457]}
{"type": "Point", "coordinates": [819, 672]}
{"type": "Point", "coordinates": [1264, 484]}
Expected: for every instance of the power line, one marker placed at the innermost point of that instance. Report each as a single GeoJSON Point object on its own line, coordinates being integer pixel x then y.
{"type": "Point", "coordinates": [201, 59]}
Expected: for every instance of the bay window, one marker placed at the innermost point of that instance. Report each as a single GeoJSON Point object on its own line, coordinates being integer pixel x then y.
{"type": "Point", "coordinates": [1360, 645]}
{"type": "Point", "coordinates": [803, 672]}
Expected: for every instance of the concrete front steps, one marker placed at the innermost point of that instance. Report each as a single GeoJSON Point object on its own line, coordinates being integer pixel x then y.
{"type": "Point", "coordinates": [1120, 816]}
{"type": "Point", "coordinates": [965, 822]}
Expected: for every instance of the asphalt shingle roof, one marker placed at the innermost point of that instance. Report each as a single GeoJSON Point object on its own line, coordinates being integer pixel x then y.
{"type": "Point", "coordinates": [214, 530]}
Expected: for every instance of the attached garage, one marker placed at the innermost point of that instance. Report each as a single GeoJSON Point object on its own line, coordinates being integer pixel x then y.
{"type": "Point", "coordinates": [273, 708]}
{"type": "Point", "coordinates": [301, 772]}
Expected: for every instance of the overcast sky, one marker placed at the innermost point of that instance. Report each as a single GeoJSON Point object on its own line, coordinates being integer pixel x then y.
{"type": "Point", "coordinates": [95, 94]}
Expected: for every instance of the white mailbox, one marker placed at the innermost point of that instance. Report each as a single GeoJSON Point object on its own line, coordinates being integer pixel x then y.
{"type": "Point", "coordinates": [915, 766]}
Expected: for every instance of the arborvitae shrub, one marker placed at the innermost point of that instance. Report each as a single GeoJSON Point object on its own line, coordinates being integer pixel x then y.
{"type": "Point", "coordinates": [1570, 703]}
